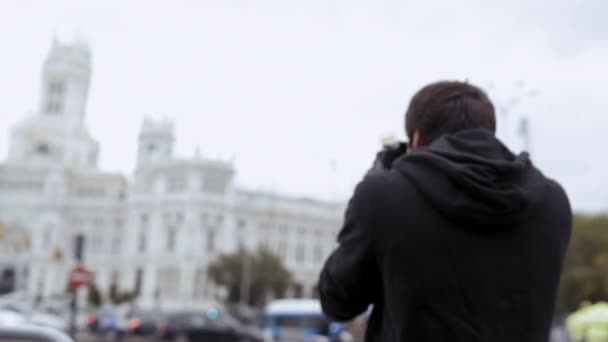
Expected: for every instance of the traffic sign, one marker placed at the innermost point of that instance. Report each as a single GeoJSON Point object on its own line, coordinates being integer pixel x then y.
{"type": "Point", "coordinates": [79, 277]}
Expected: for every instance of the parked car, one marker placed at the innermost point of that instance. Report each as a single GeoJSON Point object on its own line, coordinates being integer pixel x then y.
{"type": "Point", "coordinates": [11, 318]}
{"type": "Point", "coordinates": [180, 324]}
{"type": "Point", "coordinates": [30, 333]}
{"type": "Point", "coordinates": [49, 320]}
{"type": "Point", "coordinates": [35, 316]}
{"type": "Point", "coordinates": [202, 326]}
{"type": "Point", "coordinates": [144, 322]}
{"type": "Point", "coordinates": [300, 320]}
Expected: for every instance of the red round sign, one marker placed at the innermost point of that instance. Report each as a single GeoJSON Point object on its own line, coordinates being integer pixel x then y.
{"type": "Point", "coordinates": [79, 276]}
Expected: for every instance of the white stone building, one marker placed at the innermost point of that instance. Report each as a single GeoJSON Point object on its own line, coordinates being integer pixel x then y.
{"type": "Point", "coordinates": [154, 232]}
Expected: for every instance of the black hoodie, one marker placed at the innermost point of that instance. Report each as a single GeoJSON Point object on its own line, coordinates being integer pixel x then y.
{"type": "Point", "coordinates": [460, 241]}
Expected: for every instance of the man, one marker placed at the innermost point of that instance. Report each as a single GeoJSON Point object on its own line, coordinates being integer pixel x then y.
{"type": "Point", "coordinates": [460, 240]}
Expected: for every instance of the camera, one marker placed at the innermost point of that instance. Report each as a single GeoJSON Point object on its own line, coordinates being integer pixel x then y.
{"type": "Point", "coordinates": [390, 152]}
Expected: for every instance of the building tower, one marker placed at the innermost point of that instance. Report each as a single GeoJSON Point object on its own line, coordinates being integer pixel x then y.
{"type": "Point", "coordinates": [155, 142]}
{"type": "Point", "coordinates": [65, 82]}
{"type": "Point", "coordinates": [56, 133]}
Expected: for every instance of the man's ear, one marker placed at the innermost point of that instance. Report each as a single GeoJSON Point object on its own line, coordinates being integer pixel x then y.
{"type": "Point", "coordinates": [416, 141]}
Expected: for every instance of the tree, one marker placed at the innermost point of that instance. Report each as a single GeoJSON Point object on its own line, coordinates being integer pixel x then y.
{"type": "Point", "coordinates": [585, 272]}
{"type": "Point", "coordinates": [120, 297]}
{"type": "Point", "coordinates": [94, 297]}
{"type": "Point", "coordinates": [267, 274]}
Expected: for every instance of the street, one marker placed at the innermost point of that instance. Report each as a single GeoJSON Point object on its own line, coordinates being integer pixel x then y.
{"type": "Point", "coordinates": [86, 337]}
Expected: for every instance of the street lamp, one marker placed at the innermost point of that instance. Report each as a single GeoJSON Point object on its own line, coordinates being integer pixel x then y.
{"type": "Point", "coordinates": [245, 277]}
{"type": "Point", "coordinates": [520, 93]}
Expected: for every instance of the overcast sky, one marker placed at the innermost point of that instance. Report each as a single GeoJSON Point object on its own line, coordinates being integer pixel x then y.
{"type": "Point", "coordinates": [288, 86]}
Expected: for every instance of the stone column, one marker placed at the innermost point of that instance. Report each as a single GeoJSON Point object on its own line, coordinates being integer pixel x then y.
{"type": "Point", "coordinates": [149, 283]}
{"type": "Point", "coordinates": [186, 290]}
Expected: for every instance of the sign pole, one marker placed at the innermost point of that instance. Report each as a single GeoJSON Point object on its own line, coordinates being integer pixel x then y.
{"type": "Point", "coordinates": [78, 256]}
{"type": "Point", "coordinates": [73, 309]}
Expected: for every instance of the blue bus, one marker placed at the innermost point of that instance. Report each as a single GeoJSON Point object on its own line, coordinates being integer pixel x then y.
{"type": "Point", "coordinates": [299, 320]}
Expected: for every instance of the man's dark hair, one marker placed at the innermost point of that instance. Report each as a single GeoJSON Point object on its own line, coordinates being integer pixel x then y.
{"type": "Point", "coordinates": [448, 107]}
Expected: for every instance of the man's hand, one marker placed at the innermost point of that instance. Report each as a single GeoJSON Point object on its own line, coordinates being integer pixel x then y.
{"type": "Point", "coordinates": [385, 157]}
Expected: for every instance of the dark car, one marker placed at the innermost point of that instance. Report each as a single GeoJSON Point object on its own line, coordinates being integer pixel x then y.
{"type": "Point", "coordinates": [144, 322]}
{"type": "Point", "coordinates": [203, 326]}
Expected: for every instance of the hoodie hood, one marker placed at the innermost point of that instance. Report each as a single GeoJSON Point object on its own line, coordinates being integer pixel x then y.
{"type": "Point", "coordinates": [472, 178]}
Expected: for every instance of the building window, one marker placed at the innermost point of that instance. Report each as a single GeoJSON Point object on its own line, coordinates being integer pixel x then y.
{"type": "Point", "coordinates": [55, 94]}
{"type": "Point", "coordinates": [40, 291]}
{"type": "Point", "coordinates": [98, 223]}
{"type": "Point", "coordinates": [282, 250]}
{"type": "Point", "coordinates": [173, 218]}
{"type": "Point", "coordinates": [176, 184]}
{"type": "Point", "coordinates": [143, 229]}
{"type": "Point", "coordinates": [179, 217]}
{"type": "Point", "coordinates": [56, 88]}
{"type": "Point", "coordinates": [300, 254]}
{"type": "Point", "coordinates": [43, 149]}
{"type": "Point", "coordinates": [211, 241]}
{"type": "Point", "coordinates": [298, 290]}
{"type": "Point", "coordinates": [283, 229]}
{"type": "Point", "coordinates": [53, 107]}
{"type": "Point", "coordinates": [264, 236]}
{"type": "Point", "coordinates": [240, 231]}
{"type": "Point", "coordinates": [264, 233]}
{"type": "Point", "coordinates": [171, 237]}
{"type": "Point", "coordinates": [144, 219]}
{"type": "Point", "coordinates": [116, 240]}
{"type": "Point", "coordinates": [139, 279]}
{"type": "Point", "coordinates": [141, 241]}
{"type": "Point", "coordinates": [115, 278]}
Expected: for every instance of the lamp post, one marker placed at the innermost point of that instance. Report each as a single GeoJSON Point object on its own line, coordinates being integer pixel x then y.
{"type": "Point", "coordinates": [524, 133]}
{"type": "Point", "coordinates": [245, 278]}
{"type": "Point", "coordinates": [505, 108]}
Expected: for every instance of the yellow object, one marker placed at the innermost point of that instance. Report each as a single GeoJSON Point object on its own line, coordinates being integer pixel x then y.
{"type": "Point", "coordinates": [589, 324]}
{"type": "Point", "coordinates": [388, 140]}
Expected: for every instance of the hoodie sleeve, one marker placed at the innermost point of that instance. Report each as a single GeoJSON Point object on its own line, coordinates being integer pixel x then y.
{"type": "Point", "coordinates": [350, 277]}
